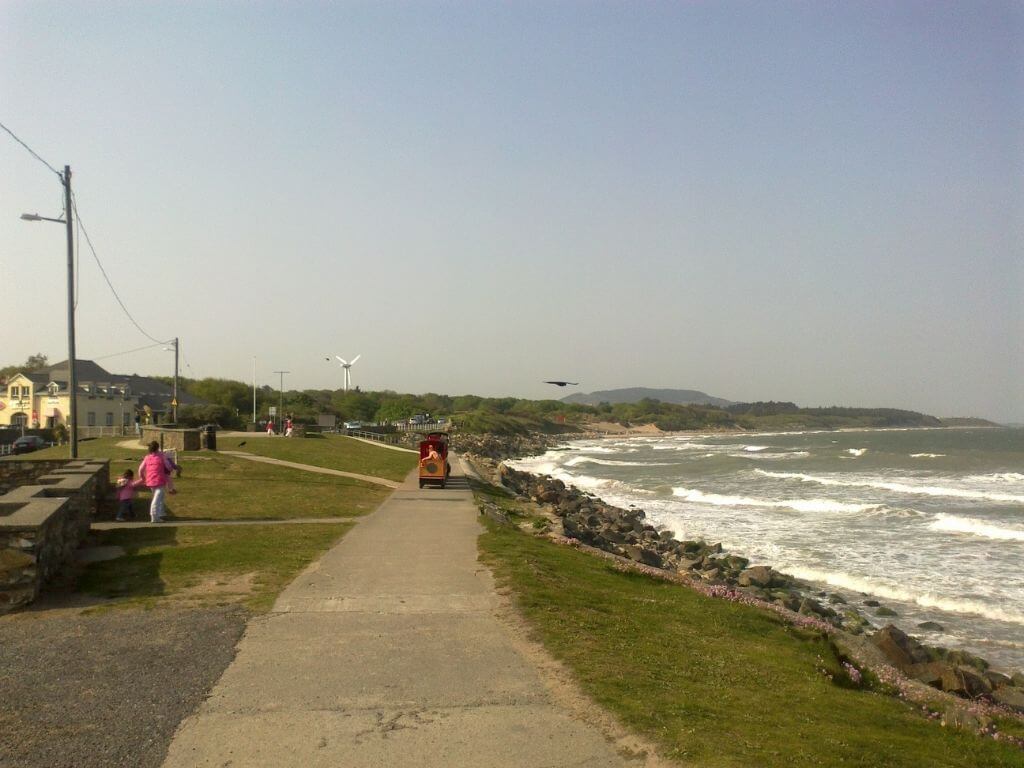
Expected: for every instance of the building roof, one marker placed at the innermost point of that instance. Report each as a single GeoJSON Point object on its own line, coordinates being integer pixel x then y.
{"type": "Point", "coordinates": [151, 392]}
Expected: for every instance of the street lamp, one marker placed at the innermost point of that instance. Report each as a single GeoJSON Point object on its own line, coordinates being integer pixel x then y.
{"type": "Point", "coordinates": [72, 378]}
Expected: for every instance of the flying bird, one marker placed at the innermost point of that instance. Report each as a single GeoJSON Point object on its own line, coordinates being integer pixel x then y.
{"type": "Point", "coordinates": [241, 444]}
{"type": "Point", "coordinates": [563, 383]}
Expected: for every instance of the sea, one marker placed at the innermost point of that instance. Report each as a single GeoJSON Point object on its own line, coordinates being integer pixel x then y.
{"type": "Point", "coordinates": [928, 522]}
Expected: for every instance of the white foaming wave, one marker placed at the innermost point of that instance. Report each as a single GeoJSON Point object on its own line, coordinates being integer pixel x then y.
{"type": "Point", "coordinates": [755, 448]}
{"type": "Point", "coordinates": [1008, 478]}
{"type": "Point", "coordinates": [883, 589]}
{"type": "Point", "coordinates": [800, 505]}
{"type": "Point", "coordinates": [955, 524]}
{"type": "Point", "coordinates": [924, 490]}
{"type": "Point", "coordinates": [769, 456]}
{"type": "Point", "coordinates": [927, 455]}
{"type": "Point", "coordinates": [612, 462]}
{"type": "Point", "coordinates": [856, 451]}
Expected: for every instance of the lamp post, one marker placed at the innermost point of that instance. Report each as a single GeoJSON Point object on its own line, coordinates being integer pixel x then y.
{"type": "Point", "coordinates": [280, 413]}
{"type": "Point", "coordinates": [254, 389]}
{"type": "Point", "coordinates": [72, 378]}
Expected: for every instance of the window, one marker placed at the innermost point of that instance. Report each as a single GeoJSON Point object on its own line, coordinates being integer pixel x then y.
{"type": "Point", "coordinates": [110, 419]}
{"type": "Point", "coordinates": [90, 419]}
{"type": "Point", "coordinates": [24, 393]}
{"type": "Point", "coordinates": [14, 393]}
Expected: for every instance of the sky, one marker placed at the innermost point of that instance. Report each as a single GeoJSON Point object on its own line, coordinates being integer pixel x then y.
{"type": "Point", "coordinates": [805, 201]}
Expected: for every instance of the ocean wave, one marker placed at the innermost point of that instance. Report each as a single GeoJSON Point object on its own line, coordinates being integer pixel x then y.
{"type": "Point", "coordinates": [755, 448]}
{"type": "Point", "coordinates": [769, 456]}
{"type": "Point", "coordinates": [1007, 478]}
{"type": "Point", "coordinates": [884, 589]}
{"type": "Point", "coordinates": [927, 455]}
{"type": "Point", "coordinates": [955, 524]}
{"type": "Point", "coordinates": [924, 490]}
{"type": "Point", "coordinates": [856, 451]}
{"type": "Point", "coordinates": [800, 505]}
{"type": "Point", "coordinates": [612, 462]}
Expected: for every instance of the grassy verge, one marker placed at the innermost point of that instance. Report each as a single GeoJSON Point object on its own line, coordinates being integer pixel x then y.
{"type": "Point", "coordinates": [206, 565]}
{"type": "Point", "coordinates": [714, 683]}
{"type": "Point", "coordinates": [217, 564]}
{"type": "Point", "coordinates": [329, 451]}
{"type": "Point", "coordinates": [214, 486]}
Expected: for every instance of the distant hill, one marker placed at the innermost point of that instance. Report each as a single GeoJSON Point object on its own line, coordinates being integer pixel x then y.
{"type": "Point", "coordinates": [636, 394]}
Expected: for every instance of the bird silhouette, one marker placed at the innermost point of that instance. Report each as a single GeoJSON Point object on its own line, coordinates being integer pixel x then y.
{"type": "Point", "coordinates": [241, 444]}
{"type": "Point", "coordinates": [562, 383]}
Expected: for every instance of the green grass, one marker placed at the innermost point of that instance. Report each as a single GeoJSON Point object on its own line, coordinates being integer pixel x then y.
{"type": "Point", "coordinates": [214, 486]}
{"type": "Point", "coordinates": [206, 564]}
{"type": "Point", "coordinates": [331, 452]}
{"type": "Point", "coordinates": [713, 683]}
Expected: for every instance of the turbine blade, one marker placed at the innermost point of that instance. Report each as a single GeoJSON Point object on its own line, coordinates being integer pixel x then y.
{"type": "Point", "coordinates": [342, 360]}
{"type": "Point", "coordinates": [354, 359]}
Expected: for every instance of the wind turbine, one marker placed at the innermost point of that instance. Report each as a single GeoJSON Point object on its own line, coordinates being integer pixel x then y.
{"type": "Point", "coordinates": [348, 369]}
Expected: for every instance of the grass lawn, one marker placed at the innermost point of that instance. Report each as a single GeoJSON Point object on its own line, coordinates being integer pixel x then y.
{"type": "Point", "coordinates": [330, 451]}
{"type": "Point", "coordinates": [714, 683]}
{"type": "Point", "coordinates": [218, 487]}
{"type": "Point", "coordinates": [206, 565]}
{"type": "Point", "coordinates": [215, 564]}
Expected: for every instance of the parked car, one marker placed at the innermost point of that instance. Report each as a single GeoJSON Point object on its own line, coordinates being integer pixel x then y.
{"type": "Point", "coordinates": [353, 425]}
{"type": "Point", "coordinates": [27, 444]}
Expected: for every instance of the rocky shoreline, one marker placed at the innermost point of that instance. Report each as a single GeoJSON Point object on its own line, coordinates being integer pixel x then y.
{"type": "Point", "coordinates": [625, 533]}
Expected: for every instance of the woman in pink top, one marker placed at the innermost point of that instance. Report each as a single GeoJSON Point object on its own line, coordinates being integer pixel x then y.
{"type": "Point", "coordinates": [155, 472]}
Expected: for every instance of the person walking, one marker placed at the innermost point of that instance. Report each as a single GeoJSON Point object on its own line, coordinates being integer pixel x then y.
{"type": "Point", "coordinates": [155, 472]}
{"type": "Point", "coordinates": [270, 427]}
{"type": "Point", "coordinates": [125, 493]}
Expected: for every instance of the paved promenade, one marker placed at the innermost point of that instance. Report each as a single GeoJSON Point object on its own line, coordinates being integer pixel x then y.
{"type": "Point", "coordinates": [388, 652]}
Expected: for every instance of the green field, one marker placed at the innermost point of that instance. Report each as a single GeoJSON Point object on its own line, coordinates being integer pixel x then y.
{"type": "Point", "coordinates": [248, 564]}
{"type": "Point", "coordinates": [214, 486]}
{"type": "Point", "coordinates": [712, 682]}
{"type": "Point", "coordinates": [329, 451]}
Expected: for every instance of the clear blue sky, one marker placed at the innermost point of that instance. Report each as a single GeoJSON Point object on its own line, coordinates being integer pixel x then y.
{"type": "Point", "coordinates": [817, 202]}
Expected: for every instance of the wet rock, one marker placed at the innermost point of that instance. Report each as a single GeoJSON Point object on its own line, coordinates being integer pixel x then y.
{"type": "Point", "coordinates": [872, 603]}
{"type": "Point", "coordinates": [758, 576]}
{"type": "Point", "coordinates": [883, 611]}
{"type": "Point", "coordinates": [901, 650]}
{"type": "Point", "coordinates": [931, 626]}
{"type": "Point", "coordinates": [834, 598]}
{"type": "Point", "coordinates": [1010, 696]}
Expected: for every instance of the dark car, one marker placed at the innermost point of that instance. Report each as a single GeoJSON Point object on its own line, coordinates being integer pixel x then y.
{"type": "Point", "coordinates": [27, 444]}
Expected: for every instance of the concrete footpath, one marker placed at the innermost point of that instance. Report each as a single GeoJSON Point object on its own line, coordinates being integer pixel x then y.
{"type": "Point", "coordinates": [388, 652]}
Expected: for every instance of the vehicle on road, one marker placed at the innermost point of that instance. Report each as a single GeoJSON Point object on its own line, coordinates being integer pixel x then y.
{"type": "Point", "coordinates": [434, 466]}
{"type": "Point", "coordinates": [353, 425]}
{"type": "Point", "coordinates": [27, 444]}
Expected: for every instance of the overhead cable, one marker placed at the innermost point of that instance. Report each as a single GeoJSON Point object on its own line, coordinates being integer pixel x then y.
{"type": "Point", "coordinates": [88, 240]}
{"type": "Point", "coordinates": [32, 152]}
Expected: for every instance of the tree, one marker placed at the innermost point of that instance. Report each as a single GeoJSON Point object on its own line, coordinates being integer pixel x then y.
{"type": "Point", "coordinates": [36, 362]}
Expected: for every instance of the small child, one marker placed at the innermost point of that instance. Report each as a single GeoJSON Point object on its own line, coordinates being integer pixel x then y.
{"type": "Point", "coordinates": [173, 470]}
{"type": "Point", "coordinates": [125, 494]}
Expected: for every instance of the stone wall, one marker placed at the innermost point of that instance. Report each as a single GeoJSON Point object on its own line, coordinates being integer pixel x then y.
{"type": "Point", "coordinates": [14, 472]}
{"type": "Point", "coordinates": [42, 524]}
{"type": "Point", "coordinates": [178, 439]}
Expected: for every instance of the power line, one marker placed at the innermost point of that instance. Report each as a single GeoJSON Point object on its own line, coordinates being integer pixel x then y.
{"type": "Point", "coordinates": [88, 240]}
{"type": "Point", "coordinates": [128, 351]}
{"type": "Point", "coordinates": [32, 152]}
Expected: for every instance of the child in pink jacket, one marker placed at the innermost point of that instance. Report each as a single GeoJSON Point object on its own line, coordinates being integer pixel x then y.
{"type": "Point", "coordinates": [155, 472]}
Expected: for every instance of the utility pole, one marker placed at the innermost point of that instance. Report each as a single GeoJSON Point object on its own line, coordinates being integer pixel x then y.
{"type": "Point", "coordinates": [174, 396]}
{"type": "Point", "coordinates": [72, 378]}
{"type": "Point", "coordinates": [280, 412]}
{"type": "Point", "coordinates": [254, 389]}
